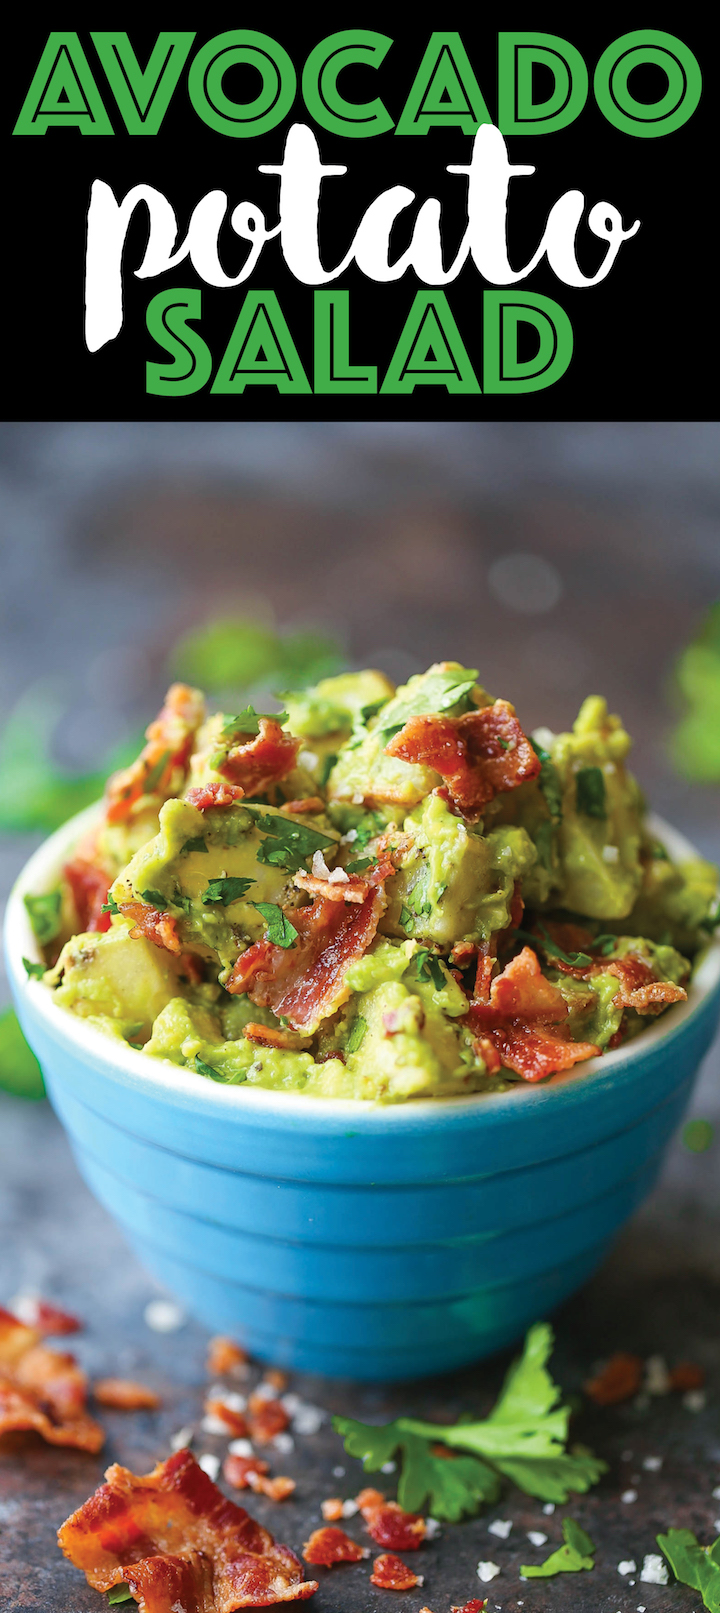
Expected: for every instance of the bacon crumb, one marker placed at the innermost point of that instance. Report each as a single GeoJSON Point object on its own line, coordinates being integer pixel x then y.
{"type": "Point", "coordinates": [234, 1420]}
{"type": "Point", "coordinates": [687, 1375]}
{"type": "Point", "coordinates": [332, 1509]}
{"type": "Point", "coordinates": [224, 1355]}
{"type": "Point", "coordinates": [122, 1394]}
{"type": "Point", "coordinates": [619, 1380]}
{"type": "Point", "coordinates": [148, 923]}
{"type": "Point", "coordinates": [219, 794]}
{"type": "Point", "coordinates": [479, 755]}
{"type": "Point", "coordinates": [89, 885]}
{"type": "Point", "coordinates": [473, 1606]}
{"type": "Point", "coordinates": [390, 1574]}
{"type": "Point", "coordinates": [271, 1036]}
{"type": "Point", "coordinates": [44, 1317]}
{"type": "Point", "coordinates": [329, 1546]}
{"type": "Point", "coordinates": [265, 1419]}
{"type": "Point", "coordinates": [352, 889]}
{"type": "Point", "coordinates": [276, 1378]}
{"type": "Point", "coordinates": [43, 1389]}
{"type": "Point", "coordinates": [309, 803]}
{"type": "Point", "coordinates": [238, 1470]}
{"type": "Point", "coordinates": [388, 1523]}
{"type": "Point", "coordinates": [161, 765]}
{"type": "Point", "coordinates": [262, 760]}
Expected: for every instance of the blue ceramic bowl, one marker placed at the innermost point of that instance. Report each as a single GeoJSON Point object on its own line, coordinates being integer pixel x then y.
{"type": "Point", "coordinates": [349, 1239]}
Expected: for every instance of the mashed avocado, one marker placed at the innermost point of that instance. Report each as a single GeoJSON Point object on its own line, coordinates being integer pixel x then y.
{"type": "Point", "coordinates": [298, 906]}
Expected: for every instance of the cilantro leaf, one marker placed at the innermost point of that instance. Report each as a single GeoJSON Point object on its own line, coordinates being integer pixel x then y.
{"type": "Point", "coordinates": [549, 781]}
{"type": "Point", "coordinates": [590, 792]}
{"type": "Point", "coordinates": [604, 944]}
{"type": "Point", "coordinates": [248, 722]}
{"type": "Point", "coordinates": [356, 1038]}
{"type": "Point", "coordinates": [119, 1593]}
{"type": "Point", "coordinates": [543, 837]}
{"type": "Point", "coordinates": [206, 1069]}
{"type": "Point", "coordinates": [279, 929]}
{"type": "Point", "coordinates": [435, 692]}
{"type": "Point", "coordinates": [369, 825]}
{"type": "Point", "coordinates": [34, 971]}
{"type": "Point", "coordinates": [578, 1552]}
{"type": "Point", "coordinates": [360, 864]}
{"type": "Point", "coordinates": [693, 1564]}
{"type": "Point", "coordinates": [287, 843]}
{"type": "Point", "coordinates": [156, 899]}
{"type": "Point", "coordinates": [523, 1439]}
{"type": "Point", "coordinates": [326, 767]}
{"type": "Point", "coordinates": [406, 920]}
{"type": "Point", "coordinates": [428, 963]}
{"type": "Point", "coordinates": [110, 906]}
{"type": "Point", "coordinates": [227, 890]}
{"type": "Point", "coordinates": [578, 960]}
{"type": "Point", "coordinates": [44, 915]}
{"type": "Point", "coordinates": [195, 843]}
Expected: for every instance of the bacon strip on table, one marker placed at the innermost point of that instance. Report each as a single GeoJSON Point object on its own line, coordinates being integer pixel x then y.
{"type": "Point", "coordinates": [250, 1473]}
{"type": "Point", "coordinates": [224, 1356]}
{"type": "Point", "coordinates": [391, 1574]}
{"type": "Point", "coordinates": [123, 1394]}
{"type": "Point", "coordinates": [266, 1418]}
{"type": "Point", "coordinates": [388, 1524]}
{"type": "Point", "coordinates": [480, 755]}
{"type": "Point", "coordinates": [89, 885]}
{"type": "Point", "coordinates": [43, 1316]}
{"type": "Point", "coordinates": [619, 1380]}
{"type": "Point", "coordinates": [160, 767]}
{"type": "Point", "coordinates": [329, 1546]}
{"type": "Point", "coordinates": [43, 1389]}
{"type": "Point", "coordinates": [234, 1420]}
{"type": "Point", "coordinates": [262, 761]}
{"type": "Point", "coordinates": [148, 923]}
{"type": "Point", "coordinates": [305, 983]}
{"type": "Point", "coordinates": [180, 1545]}
{"type": "Point", "coordinates": [516, 1022]}
{"type": "Point", "coordinates": [206, 796]}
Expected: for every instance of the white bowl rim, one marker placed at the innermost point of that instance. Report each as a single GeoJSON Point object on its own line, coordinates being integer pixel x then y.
{"type": "Point", "coordinates": [41, 871]}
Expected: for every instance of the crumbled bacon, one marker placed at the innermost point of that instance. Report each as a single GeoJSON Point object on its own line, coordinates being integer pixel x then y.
{"type": "Point", "coordinates": [89, 886]}
{"type": "Point", "coordinates": [122, 1394]}
{"type": "Point", "coordinates": [535, 1052]}
{"type": "Point", "coordinates": [159, 769]}
{"type": "Point", "coordinates": [45, 1317]}
{"type": "Point", "coordinates": [306, 982]}
{"type": "Point", "coordinates": [239, 1470]}
{"type": "Point", "coordinates": [687, 1375]}
{"type": "Point", "coordinates": [276, 1378]}
{"type": "Point", "coordinates": [390, 1574]}
{"type": "Point", "coordinates": [389, 1524]}
{"type": "Point", "coordinates": [206, 796]}
{"type": "Point", "coordinates": [309, 803]}
{"type": "Point", "coordinates": [473, 1606]}
{"type": "Point", "coordinates": [224, 1355]}
{"type": "Point", "coordinates": [487, 1051]}
{"type": "Point", "coordinates": [148, 923]}
{"type": "Point", "coordinates": [273, 1036]}
{"type": "Point", "coordinates": [234, 1421]}
{"type": "Point", "coordinates": [332, 1509]}
{"type": "Point", "coordinates": [266, 1418]}
{"type": "Point", "coordinates": [43, 1389]}
{"type": "Point", "coordinates": [329, 1546]}
{"type": "Point", "coordinates": [639, 987]}
{"type": "Point", "coordinates": [479, 755]}
{"type": "Point", "coordinates": [277, 1489]}
{"type": "Point", "coordinates": [264, 759]}
{"type": "Point", "coordinates": [516, 1020]}
{"type": "Point", "coordinates": [522, 992]}
{"type": "Point", "coordinates": [191, 967]}
{"type": "Point", "coordinates": [174, 1534]}
{"type": "Point", "coordinates": [619, 1380]}
{"type": "Point", "coordinates": [352, 889]}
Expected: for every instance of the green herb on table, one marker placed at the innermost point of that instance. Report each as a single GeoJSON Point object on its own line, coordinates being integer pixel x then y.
{"type": "Point", "coordinates": [44, 915]}
{"type": "Point", "coordinates": [279, 929]}
{"type": "Point", "coordinates": [206, 1069]}
{"type": "Point", "coordinates": [34, 971]}
{"type": "Point", "coordinates": [357, 1035]}
{"type": "Point", "coordinates": [693, 1564]}
{"type": "Point", "coordinates": [590, 792]}
{"type": "Point", "coordinates": [578, 1552]}
{"type": "Point", "coordinates": [226, 890]}
{"type": "Point", "coordinates": [524, 1439]}
{"type": "Point", "coordinates": [288, 844]}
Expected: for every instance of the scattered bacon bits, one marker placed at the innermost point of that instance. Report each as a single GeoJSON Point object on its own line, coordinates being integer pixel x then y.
{"type": "Point", "coordinates": [206, 796]}
{"type": "Point", "coordinates": [687, 1375]}
{"type": "Point", "coordinates": [239, 1469]}
{"type": "Point", "coordinates": [234, 1421]}
{"type": "Point", "coordinates": [328, 1546]}
{"type": "Point", "coordinates": [43, 1389]}
{"type": "Point", "coordinates": [264, 759]}
{"type": "Point", "coordinates": [515, 1021]}
{"type": "Point", "coordinates": [332, 1509]}
{"type": "Point", "coordinates": [271, 1036]}
{"type": "Point", "coordinates": [388, 1524]}
{"type": "Point", "coordinates": [265, 1419]}
{"type": "Point", "coordinates": [390, 1574]}
{"type": "Point", "coordinates": [175, 1537]}
{"type": "Point", "coordinates": [223, 1356]}
{"type": "Point", "coordinates": [309, 803]}
{"type": "Point", "coordinates": [160, 928]}
{"type": "Point", "coordinates": [121, 1394]}
{"type": "Point", "coordinates": [480, 755]}
{"type": "Point", "coordinates": [275, 1489]}
{"type": "Point", "coordinates": [89, 886]}
{"type": "Point", "coordinates": [159, 769]}
{"type": "Point", "coordinates": [45, 1317]}
{"type": "Point", "coordinates": [619, 1380]}
{"type": "Point", "coordinates": [276, 1378]}
{"type": "Point", "coordinates": [639, 988]}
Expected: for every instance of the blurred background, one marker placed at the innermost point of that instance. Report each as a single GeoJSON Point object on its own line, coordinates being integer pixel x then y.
{"type": "Point", "coordinates": [559, 559]}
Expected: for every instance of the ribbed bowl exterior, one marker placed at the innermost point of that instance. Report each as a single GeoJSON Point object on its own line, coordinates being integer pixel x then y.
{"type": "Point", "coordinates": [374, 1243]}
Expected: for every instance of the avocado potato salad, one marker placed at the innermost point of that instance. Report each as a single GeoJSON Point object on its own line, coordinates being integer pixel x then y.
{"type": "Point", "coordinates": [377, 893]}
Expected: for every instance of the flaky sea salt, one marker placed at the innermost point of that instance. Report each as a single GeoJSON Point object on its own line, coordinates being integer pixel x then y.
{"type": "Point", "coordinates": [628, 1496]}
{"type": "Point", "coordinates": [432, 1529]}
{"type": "Point", "coordinates": [307, 1419]}
{"type": "Point", "coordinates": [240, 1447]}
{"type": "Point", "coordinates": [628, 1567]}
{"type": "Point", "coordinates": [163, 1316]}
{"type": "Point", "coordinates": [536, 1537]}
{"type": "Point", "coordinates": [349, 1508]}
{"type": "Point", "coordinates": [183, 1437]}
{"type": "Point", "coordinates": [549, 1508]}
{"type": "Point", "coordinates": [652, 1464]}
{"type": "Point", "coordinates": [389, 1467]}
{"type": "Point", "coordinates": [284, 1443]}
{"type": "Point", "coordinates": [695, 1400]}
{"type": "Point", "coordinates": [213, 1425]}
{"type": "Point", "coordinates": [657, 1378]}
{"type": "Point", "coordinates": [210, 1464]}
{"type": "Point", "coordinates": [338, 1472]}
{"type": "Point", "coordinates": [654, 1569]}
{"type": "Point", "coordinates": [500, 1527]}
{"type": "Point", "coordinates": [487, 1571]}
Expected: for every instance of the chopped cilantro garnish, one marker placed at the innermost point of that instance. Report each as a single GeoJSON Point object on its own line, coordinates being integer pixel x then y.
{"type": "Point", "coordinates": [360, 864]}
{"type": "Point", "coordinates": [406, 920]}
{"type": "Point", "coordinates": [156, 899]}
{"type": "Point", "coordinates": [183, 902]}
{"type": "Point", "coordinates": [370, 824]}
{"type": "Point", "coordinates": [279, 929]}
{"type": "Point", "coordinates": [44, 915]}
{"type": "Point", "coordinates": [110, 906]}
{"type": "Point", "coordinates": [604, 944]}
{"type": "Point", "coordinates": [287, 843]}
{"type": "Point", "coordinates": [34, 971]}
{"type": "Point", "coordinates": [326, 767]}
{"type": "Point", "coordinates": [436, 692]}
{"type": "Point", "coordinates": [206, 1069]}
{"type": "Point", "coordinates": [577, 960]}
{"type": "Point", "coordinates": [152, 779]}
{"type": "Point", "coordinates": [119, 1593]}
{"type": "Point", "coordinates": [357, 1035]}
{"type": "Point", "coordinates": [549, 780]}
{"type": "Point", "coordinates": [248, 722]}
{"type": "Point", "coordinates": [428, 963]}
{"type": "Point", "coordinates": [578, 1552]}
{"type": "Point", "coordinates": [524, 1439]}
{"type": "Point", "coordinates": [227, 890]}
{"type": "Point", "coordinates": [590, 792]}
{"type": "Point", "coordinates": [693, 1564]}
{"type": "Point", "coordinates": [195, 843]}
{"type": "Point", "coordinates": [543, 843]}
{"type": "Point", "coordinates": [417, 906]}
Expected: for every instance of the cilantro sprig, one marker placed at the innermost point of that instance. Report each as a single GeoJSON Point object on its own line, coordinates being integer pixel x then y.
{"type": "Point", "coordinates": [693, 1564]}
{"type": "Point", "coordinates": [577, 960]}
{"type": "Point", "coordinates": [287, 843]}
{"type": "Point", "coordinates": [428, 964]}
{"type": "Point", "coordinates": [119, 1593]}
{"type": "Point", "coordinates": [358, 1032]}
{"type": "Point", "coordinates": [437, 691]}
{"type": "Point", "coordinates": [279, 929]}
{"type": "Point", "coordinates": [110, 906]}
{"type": "Point", "coordinates": [34, 971]}
{"type": "Point", "coordinates": [590, 792]}
{"type": "Point", "coordinates": [229, 889]}
{"type": "Point", "coordinates": [248, 722]}
{"type": "Point", "coordinates": [206, 1069]}
{"type": "Point", "coordinates": [524, 1439]}
{"type": "Point", "coordinates": [578, 1552]}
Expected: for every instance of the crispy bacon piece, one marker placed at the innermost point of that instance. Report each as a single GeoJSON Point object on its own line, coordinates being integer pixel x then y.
{"type": "Point", "coordinates": [276, 1378]}
{"type": "Point", "coordinates": [515, 1021]}
{"type": "Point", "coordinates": [89, 886]}
{"type": "Point", "coordinates": [277, 1489]}
{"type": "Point", "coordinates": [122, 1394]}
{"type": "Point", "coordinates": [205, 796]}
{"type": "Point", "coordinates": [619, 1380]}
{"type": "Point", "coordinates": [390, 1574]}
{"type": "Point", "coordinates": [224, 1356]}
{"type": "Point", "coordinates": [535, 1052]}
{"type": "Point", "coordinates": [45, 1317]}
{"type": "Point", "coordinates": [389, 1524]}
{"type": "Point", "coordinates": [160, 767]}
{"type": "Point", "coordinates": [332, 1509]}
{"type": "Point", "coordinates": [270, 1036]}
{"type": "Point", "coordinates": [352, 889]}
{"type": "Point", "coordinates": [306, 982]}
{"type": "Point", "coordinates": [43, 1389]}
{"type": "Point", "coordinates": [639, 987]}
{"type": "Point", "coordinates": [329, 1546]}
{"type": "Point", "coordinates": [687, 1375]}
{"type": "Point", "coordinates": [266, 1418]}
{"type": "Point", "coordinates": [160, 928]}
{"type": "Point", "coordinates": [480, 755]}
{"type": "Point", "coordinates": [234, 1421]}
{"type": "Point", "coordinates": [264, 759]}
{"type": "Point", "coordinates": [239, 1470]}
{"type": "Point", "coordinates": [309, 803]}
{"type": "Point", "coordinates": [487, 1051]}
{"type": "Point", "coordinates": [142, 1528]}
{"type": "Point", "coordinates": [522, 992]}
